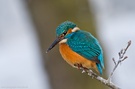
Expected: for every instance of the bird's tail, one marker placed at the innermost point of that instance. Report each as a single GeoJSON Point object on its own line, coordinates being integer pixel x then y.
{"type": "Point", "coordinates": [100, 65]}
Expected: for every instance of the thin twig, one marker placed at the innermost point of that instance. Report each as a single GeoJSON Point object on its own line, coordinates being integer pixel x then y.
{"type": "Point", "coordinates": [108, 82]}
{"type": "Point", "coordinates": [122, 57]}
{"type": "Point", "coordinates": [101, 79]}
{"type": "Point", "coordinates": [114, 61]}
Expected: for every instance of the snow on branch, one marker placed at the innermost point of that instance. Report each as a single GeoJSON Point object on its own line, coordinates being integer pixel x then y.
{"type": "Point", "coordinates": [108, 82]}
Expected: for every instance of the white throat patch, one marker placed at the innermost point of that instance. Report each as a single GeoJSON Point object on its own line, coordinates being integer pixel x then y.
{"type": "Point", "coordinates": [75, 29]}
{"type": "Point", "coordinates": [63, 41]}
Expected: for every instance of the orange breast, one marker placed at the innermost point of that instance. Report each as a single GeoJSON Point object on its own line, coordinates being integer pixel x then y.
{"type": "Point", "coordinates": [72, 57]}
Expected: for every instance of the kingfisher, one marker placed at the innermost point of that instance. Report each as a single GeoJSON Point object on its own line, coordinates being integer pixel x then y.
{"type": "Point", "coordinates": [78, 48]}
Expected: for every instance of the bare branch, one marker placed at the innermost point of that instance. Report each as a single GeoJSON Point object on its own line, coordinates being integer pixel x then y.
{"type": "Point", "coordinates": [104, 81]}
{"type": "Point", "coordinates": [101, 79]}
{"type": "Point", "coordinates": [122, 57]}
{"type": "Point", "coordinates": [129, 43]}
{"type": "Point", "coordinates": [114, 61]}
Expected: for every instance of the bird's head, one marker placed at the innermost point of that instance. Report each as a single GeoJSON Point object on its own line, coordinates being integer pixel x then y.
{"type": "Point", "coordinates": [63, 32]}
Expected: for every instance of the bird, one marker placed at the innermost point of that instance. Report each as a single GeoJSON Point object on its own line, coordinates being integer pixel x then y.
{"type": "Point", "coordinates": [78, 48]}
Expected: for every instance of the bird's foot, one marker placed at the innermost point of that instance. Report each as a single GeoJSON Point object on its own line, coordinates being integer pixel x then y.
{"type": "Point", "coordinates": [80, 67]}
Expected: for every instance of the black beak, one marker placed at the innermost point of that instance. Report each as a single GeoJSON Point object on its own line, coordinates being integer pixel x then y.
{"type": "Point", "coordinates": [56, 41]}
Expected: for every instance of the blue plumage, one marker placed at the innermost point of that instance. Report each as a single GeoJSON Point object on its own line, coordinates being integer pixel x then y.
{"type": "Point", "coordinates": [64, 27]}
{"type": "Point", "coordinates": [80, 42]}
{"type": "Point", "coordinates": [87, 46]}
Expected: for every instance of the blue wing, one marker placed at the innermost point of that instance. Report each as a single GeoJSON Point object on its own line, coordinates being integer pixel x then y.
{"type": "Point", "coordinates": [87, 46]}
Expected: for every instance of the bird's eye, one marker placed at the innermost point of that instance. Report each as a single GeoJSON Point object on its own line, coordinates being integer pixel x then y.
{"type": "Point", "coordinates": [64, 33]}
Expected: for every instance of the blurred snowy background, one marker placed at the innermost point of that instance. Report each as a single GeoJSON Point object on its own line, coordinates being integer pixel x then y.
{"type": "Point", "coordinates": [21, 64]}
{"type": "Point", "coordinates": [27, 28]}
{"type": "Point", "coordinates": [116, 26]}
